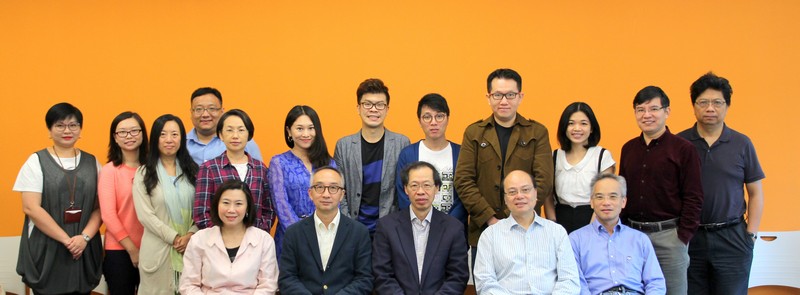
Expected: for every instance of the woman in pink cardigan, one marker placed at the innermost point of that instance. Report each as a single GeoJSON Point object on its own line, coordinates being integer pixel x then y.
{"type": "Point", "coordinates": [127, 148]}
{"type": "Point", "coordinates": [233, 257]}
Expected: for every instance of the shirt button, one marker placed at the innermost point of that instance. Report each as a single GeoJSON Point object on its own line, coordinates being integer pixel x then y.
{"type": "Point", "coordinates": [642, 180]}
{"type": "Point", "coordinates": [644, 165]}
{"type": "Point", "coordinates": [613, 271]}
{"type": "Point", "coordinates": [325, 287]}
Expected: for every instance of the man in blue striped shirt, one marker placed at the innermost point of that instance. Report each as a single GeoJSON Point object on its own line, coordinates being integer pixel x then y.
{"type": "Point", "coordinates": [614, 258]}
{"type": "Point", "coordinates": [525, 253]}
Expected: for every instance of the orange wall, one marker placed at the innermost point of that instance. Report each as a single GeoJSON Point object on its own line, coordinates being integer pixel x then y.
{"type": "Point", "coordinates": [265, 56]}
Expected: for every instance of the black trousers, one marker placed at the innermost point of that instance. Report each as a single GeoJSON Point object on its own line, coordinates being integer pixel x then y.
{"type": "Point", "coordinates": [719, 261]}
{"type": "Point", "coordinates": [122, 277]}
{"type": "Point", "coordinates": [573, 218]}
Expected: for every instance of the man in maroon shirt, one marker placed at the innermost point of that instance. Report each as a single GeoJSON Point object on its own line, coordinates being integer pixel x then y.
{"type": "Point", "coordinates": [665, 194]}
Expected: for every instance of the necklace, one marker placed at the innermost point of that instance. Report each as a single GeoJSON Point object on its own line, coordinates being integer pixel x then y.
{"type": "Point", "coordinates": [71, 186]}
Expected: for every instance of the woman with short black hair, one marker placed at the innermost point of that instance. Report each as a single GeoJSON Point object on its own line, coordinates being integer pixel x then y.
{"type": "Point", "coordinates": [60, 251]}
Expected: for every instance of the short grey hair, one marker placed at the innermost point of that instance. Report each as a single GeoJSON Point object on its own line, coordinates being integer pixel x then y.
{"type": "Point", "coordinates": [623, 185]}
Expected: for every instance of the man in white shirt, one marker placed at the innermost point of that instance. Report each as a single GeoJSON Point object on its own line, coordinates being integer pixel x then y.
{"type": "Point", "coordinates": [327, 253]}
{"type": "Point", "coordinates": [525, 253]}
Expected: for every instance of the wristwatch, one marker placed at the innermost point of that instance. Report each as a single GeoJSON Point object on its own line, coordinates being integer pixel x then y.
{"type": "Point", "coordinates": [86, 238]}
{"type": "Point", "coordinates": [752, 235]}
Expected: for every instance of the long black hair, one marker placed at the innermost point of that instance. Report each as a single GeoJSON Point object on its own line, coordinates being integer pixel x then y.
{"type": "Point", "coordinates": [188, 165]}
{"type": "Point", "coordinates": [114, 151]}
{"type": "Point", "coordinates": [318, 152]}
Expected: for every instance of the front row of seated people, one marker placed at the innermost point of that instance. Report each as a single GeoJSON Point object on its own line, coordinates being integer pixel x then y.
{"type": "Point", "coordinates": [420, 250]}
{"type": "Point", "coordinates": [164, 185]}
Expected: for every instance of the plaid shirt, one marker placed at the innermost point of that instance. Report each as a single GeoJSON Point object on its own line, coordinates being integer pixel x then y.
{"type": "Point", "coordinates": [216, 171]}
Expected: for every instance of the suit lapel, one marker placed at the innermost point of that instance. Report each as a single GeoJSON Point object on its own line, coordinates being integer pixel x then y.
{"type": "Point", "coordinates": [434, 238]}
{"type": "Point", "coordinates": [388, 152]}
{"type": "Point", "coordinates": [342, 233]}
{"type": "Point", "coordinates": [310, 230]}
{"type": "Point", "coordinates": [405, 233]}
{"type": "Point", "coordinates": [352, 197]}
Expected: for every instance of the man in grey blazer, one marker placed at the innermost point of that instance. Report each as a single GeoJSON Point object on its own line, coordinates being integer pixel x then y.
{"type": "Point", "coordinates": [368, 158]}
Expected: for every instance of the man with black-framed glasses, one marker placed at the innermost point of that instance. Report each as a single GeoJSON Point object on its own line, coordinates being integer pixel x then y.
{"type": "Point", "coordinates": [202, 141]}
{"type": "Point", "coordinates": [368, 158]}
{"type": "Point", "coordinates": [326, 253]}
{"type": "Point", "coordinates": [665, 195]}
{"type": "Point", "coordinates": [495, 146]}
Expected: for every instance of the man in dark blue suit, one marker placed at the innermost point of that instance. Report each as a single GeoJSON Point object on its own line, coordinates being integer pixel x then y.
{"type": "Point", "coordinates": [420, 250]}
{"type": "Point", "coordinates": [326, 253]}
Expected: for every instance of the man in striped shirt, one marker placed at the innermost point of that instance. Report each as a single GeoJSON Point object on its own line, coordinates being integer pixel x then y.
{"type": "Point", "coordinates": [525, 253]}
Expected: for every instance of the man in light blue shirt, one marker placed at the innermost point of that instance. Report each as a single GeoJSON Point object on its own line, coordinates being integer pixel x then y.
{"type": "Point", "coordinates": [202, 141]}
{"type": "Point", "coordinates": [525, 253]}
{"type": "Point", "coordinates": [614, 258]}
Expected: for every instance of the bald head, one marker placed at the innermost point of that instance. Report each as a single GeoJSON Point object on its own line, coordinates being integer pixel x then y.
{"type": "Point", "coordinates": [520, 193]}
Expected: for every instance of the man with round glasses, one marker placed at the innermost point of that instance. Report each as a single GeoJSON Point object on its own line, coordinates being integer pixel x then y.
{"type": "Point", "coordinates": [202, 141]}
{"type": "Point", "coordinates": [368, 158]}
{"type": "Point", "coordinates": [433, 114]}
{"type": "Point", "coordinates": [326, 253]}
{"type": "Point", "coordinates": [492, 147]}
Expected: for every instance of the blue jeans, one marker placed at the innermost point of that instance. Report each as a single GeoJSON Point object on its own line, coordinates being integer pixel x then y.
{"type": "Point", "coordinates": [720, 261]}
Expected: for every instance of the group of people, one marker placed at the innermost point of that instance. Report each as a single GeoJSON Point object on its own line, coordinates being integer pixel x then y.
{"type": "Point", "coordinates": [191, 212]}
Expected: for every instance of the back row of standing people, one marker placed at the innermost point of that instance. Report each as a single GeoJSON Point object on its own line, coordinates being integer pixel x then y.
{"type": "Point", "coordinates": [492, 147]}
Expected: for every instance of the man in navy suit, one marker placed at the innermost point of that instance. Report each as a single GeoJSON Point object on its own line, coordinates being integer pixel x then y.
{"type": "Point", "coordinates": [420, 250]}
{"type": "Point", "coordinates": [326, 253]}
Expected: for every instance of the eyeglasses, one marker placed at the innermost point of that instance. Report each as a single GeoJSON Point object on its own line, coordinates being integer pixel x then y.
{"type": "Point", "coordinates": [123, 133]}
{"type": "Point", "coordinates": [237, 131]}
{"type": "Point", "coordinates": [198, 111]}
{"type": "Point", "coordinates": [525, 190]}
{"type": "Point", "coordinates": [704, 103]}
{"type": "Point", "coordinates": [425, 186]}
{"type": "Point", "coordinates": [71, 126]}
{"type": "Point", "coordinates": [320, 189]}
{"type": "Point", "coordinates": [642, 111]}
{"type": "Point", "coordinates": [378, 106]}
{"type": "Point", "coordinates": [439, 117]}
{"type": "Point", "coordinates": [500, 96]}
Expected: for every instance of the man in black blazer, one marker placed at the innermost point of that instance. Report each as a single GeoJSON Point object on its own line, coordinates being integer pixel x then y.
{"type": "Point", "coordinates": [420, 250]}
{"type": "Point", "coordinates": [326, 253]}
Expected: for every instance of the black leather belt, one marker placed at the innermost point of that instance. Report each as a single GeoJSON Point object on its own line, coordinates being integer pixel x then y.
{"type": "Point", "coordinates": [620, 290]}
{"type": "Point", "coordinates": [655, 226]}
{"type": "Point", "coordinates": [720, 225]}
